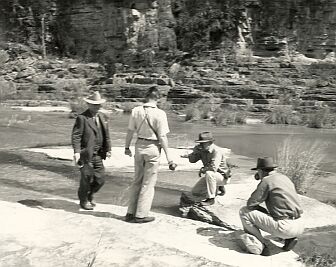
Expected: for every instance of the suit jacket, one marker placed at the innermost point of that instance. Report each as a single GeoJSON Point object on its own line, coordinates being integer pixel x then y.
{"type": "Point", "coordinates": [84, 135]}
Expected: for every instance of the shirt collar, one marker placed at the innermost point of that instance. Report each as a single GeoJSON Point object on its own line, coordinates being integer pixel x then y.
{"type": "Point", "coordinates": [152, 105]}
{"type": "Point", "coordinates": [211, 148]}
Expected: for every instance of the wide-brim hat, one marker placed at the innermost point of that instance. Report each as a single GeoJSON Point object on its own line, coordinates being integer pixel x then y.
{"type": "Point", "coordinates": [205, 137]}
{"type": "Point", "coordinates": [265, 163]}
{"type": "Point", "coordinates": [95, 99]}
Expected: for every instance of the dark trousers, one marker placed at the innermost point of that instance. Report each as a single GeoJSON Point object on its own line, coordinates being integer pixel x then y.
{"type": "Point", "coordinates": [92, 179]}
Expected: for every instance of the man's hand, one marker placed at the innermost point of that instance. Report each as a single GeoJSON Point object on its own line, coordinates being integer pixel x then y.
{"type": "Point", "coordinates": [109, 154]}
{"type": "Point", "coordinates": [77, 161]}
{"type": "Point", "coordinates": [201, 171]}
{"type": "Point", "coordinates": [128, 152]}
{"type": "Point", "coordinates": [76, 158]}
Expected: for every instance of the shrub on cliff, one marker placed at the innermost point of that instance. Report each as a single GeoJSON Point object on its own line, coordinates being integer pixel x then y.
{"type": "Point", "coordinates": [283, 114]}
{"type": "Point", "coordinates": [224, 117]}
{"type": "Point", "coordinates": [299, 160]}
{"type": "Point", "coordinates": [321, 119]}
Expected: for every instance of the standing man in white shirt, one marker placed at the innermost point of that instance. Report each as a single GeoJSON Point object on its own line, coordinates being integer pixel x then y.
{"type": "Point", "coordinates": [151, 125]}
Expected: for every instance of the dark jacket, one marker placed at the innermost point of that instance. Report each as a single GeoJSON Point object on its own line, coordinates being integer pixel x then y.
{"type": "Point", "coordinates": [84, 135]}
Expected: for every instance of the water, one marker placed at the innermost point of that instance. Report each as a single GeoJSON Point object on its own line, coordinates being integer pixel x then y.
{"type": "Point", "coordinates": [252, 141]}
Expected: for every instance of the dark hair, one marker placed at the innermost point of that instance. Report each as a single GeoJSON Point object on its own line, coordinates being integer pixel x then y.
{"type": "Point", "coordinates": [153, 93]}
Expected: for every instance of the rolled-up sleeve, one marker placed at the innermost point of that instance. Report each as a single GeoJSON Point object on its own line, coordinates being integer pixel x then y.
{"type": "Point", "coordinates": [259, 195]}
{"type": "Point", "coordinates": [162, 124]}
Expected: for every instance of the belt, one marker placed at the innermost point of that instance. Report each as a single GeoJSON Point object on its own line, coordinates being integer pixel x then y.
{"type": "Point", "coordinates": [146, 139]}
{"type": "Point", "coordinates": [288, 218]}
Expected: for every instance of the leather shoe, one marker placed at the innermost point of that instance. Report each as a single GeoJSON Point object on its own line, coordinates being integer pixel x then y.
{"type": "Point", "coordinates": [86, 206]}
{"type": "Point", "coordinates": [220, 191]}
{"type": "Point", "coordinates": [90, 199]}
{"type": "Point", "coordinates": [143, 220]}
{"type": "Point", "coordinates": [266, 251]}
{"type": "Point", "coordinates": [290, 244]}
{"type": "Point", "coordinates": [208, 202]}
{"type": "Point", "coordinates": [129, 217]}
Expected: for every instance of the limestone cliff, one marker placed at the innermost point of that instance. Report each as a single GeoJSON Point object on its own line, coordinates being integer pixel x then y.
{"type": "Point", "coordinates": [139, 31]}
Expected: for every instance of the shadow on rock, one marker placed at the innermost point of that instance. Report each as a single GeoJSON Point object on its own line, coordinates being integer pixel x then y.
{"type": "Point", "coordinates": [230, 239]}
{"type": "Point", "coordinates": [191, 208]}
{"type": "Point", "coordinates": [65, 205]}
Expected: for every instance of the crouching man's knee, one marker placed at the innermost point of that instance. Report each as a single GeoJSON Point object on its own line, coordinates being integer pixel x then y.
{"type": "Point", "coordinates": [243, 211]}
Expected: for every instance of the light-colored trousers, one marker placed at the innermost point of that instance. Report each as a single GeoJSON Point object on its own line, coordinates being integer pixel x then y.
{"type": "Point", "coordinates": [254, 220]}
{"type": "Point", "coordinates": [207, 185]}
{"type": "Point", "coordinates": [146, 164]}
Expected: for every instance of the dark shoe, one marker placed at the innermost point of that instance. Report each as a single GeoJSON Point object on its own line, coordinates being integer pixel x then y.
{"type": "Point", "coordinates": [143, 220]}
{"type": "Point", "coordinates": [129, 217]}
{"type": "Point", "coordinates": [266, 251]}
{"type": "Point", "coordinates": [86, 206]}
{"type": "Point", "coordinates": [208, 202]}
{"type": "Point", "coordinates": [90, 199]}
{"type": "Point", "coordinates": [220, 191]}
{"type": "Point", "coordinates": [290, 244]}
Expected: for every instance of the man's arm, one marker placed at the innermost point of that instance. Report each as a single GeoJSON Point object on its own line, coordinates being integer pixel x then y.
{"type": "Point", "coordinates": [258, 196]}
{"type": "Point", "coordinates": [195, 155]}
{"type": "Point", "coordinates": [128, 140]}
{"type": "Point", "coordinates": [108, 138]}
{"type": "Point", "coordinates": [164, 143]}
{"type": "Point", "coordinates": [76, 137]}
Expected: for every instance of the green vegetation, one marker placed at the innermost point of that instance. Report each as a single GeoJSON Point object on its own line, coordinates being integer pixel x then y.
{"type": "Point", "coordinates": [299, 160]}
{"type": "Point", "coordinates": [318, 260]}
{"type": "Point", "coordinates": [207, 109]}
{"type": "Point", "coordinates": [285, 114]}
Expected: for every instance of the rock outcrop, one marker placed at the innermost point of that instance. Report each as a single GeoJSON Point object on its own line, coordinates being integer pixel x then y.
{"type": "Point", "coordinates": [139, 32]}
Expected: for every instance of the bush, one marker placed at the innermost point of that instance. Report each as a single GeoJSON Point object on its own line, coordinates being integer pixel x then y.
{"type": "Point", "coordinates": [223, 117]}
{"type": "Point", "coordinates": [202, 109]}
{"type": "Point", "coordinates": [299, 161]}
{"type": "Point", "coordinates": [283, 115]}
{"type": "Point", "coordinates": [77, 106]}
{"type": "Point", "coordinates": [322, 119]}
{"type": "Point", "coordinates": [192, 113]}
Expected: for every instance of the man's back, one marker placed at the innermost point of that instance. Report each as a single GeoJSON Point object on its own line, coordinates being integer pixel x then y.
{"type": "Point", "coordinates": [282, 200]}
{"type": "Point", "coordinates": [156, 117]}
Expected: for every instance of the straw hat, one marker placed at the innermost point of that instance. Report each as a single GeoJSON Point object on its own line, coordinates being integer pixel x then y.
{"type": "Point", "coordinates": [95, 99]}
{"type": "Point", "coordinates": [265, 163]}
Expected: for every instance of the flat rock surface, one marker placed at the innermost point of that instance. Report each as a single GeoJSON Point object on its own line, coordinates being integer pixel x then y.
{"type": "Point", "coordinates": [44, 229]}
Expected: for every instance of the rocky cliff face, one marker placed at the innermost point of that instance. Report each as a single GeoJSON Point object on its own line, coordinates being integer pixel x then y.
{"type": "Point", "coordinates": [138, 31]}
{"type": "Point", "coordinates": [248, 53]}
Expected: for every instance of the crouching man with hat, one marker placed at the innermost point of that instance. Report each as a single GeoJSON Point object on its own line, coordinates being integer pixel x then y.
{"type": "Point", "coordinates": [91, 144]}
{"type": "Point", "coordinates": [282, 216]}
{"type": "Point", "coordinates": [215, 172]}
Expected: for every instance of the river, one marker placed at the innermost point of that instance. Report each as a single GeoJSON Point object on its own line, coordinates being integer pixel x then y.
{"type": "Point", "coordinates": [252, 141]}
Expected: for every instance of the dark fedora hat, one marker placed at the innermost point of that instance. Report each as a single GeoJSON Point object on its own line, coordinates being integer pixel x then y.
{"type": "Point", "coordinates": [265, 164]}
{"type": "Point", "coordinates": [204, 137]}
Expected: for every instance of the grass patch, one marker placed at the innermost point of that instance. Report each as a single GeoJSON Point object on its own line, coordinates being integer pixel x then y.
{"type": "Point", "coordinates": [299, 161]}
{"type": "Point", "coordinates": [283, 114]}
{"type": "Point", "coordinates": [318, 260]}
{"type": "Point", "coordinates": [224, 117]}
{"type": "Point", "coordinates": [323, 118]}
{"type": "Point", "coordinates": [207, 109]}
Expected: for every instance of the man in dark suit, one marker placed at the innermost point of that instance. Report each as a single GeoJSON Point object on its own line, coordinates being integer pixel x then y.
{"type": "Point", "coordinates": [91, 144]}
